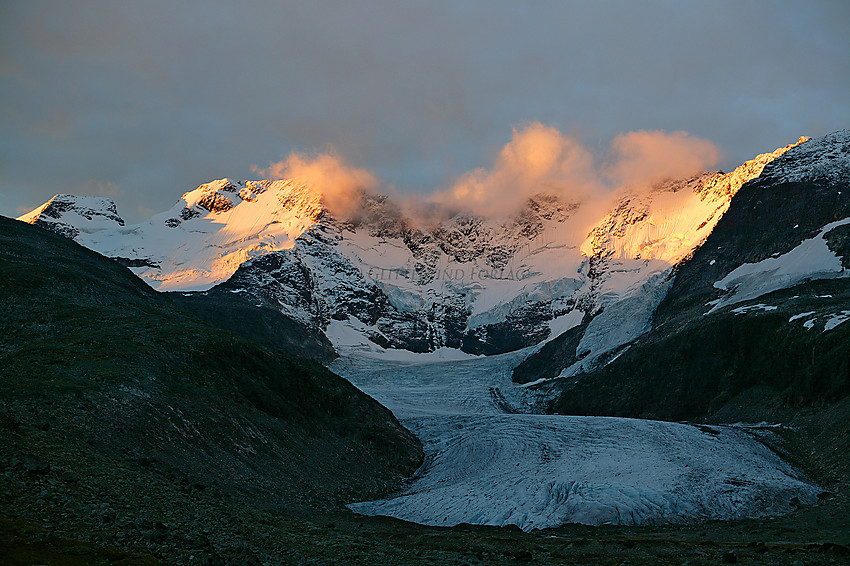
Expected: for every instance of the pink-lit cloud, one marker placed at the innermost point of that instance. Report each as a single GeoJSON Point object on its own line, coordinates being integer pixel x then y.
{"type": "Point", "coordinates": [538, 159]}
{"type": "Point", "coordinates": [541, 159]}
{"type": "Point", "coordinates": [341, 185]}
{"type": "Point", "coordinates": [651, 155]}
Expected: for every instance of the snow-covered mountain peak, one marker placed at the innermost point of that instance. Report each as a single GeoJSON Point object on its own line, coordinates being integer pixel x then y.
{"type": "Point", "coordinates": [825, 159]}
{"type": "Point", "coordinates": [668, 222]}
{"type": "Point", "coordinates": [69, 215]}
{"type": "Point", "coordinates": [201, 240]}
{"type": "Point", "coordinates": [215, 196]}
{"type": "Point", "coordinates": [290, 196]}
{"type": "Point", "coordinates": [730, 183]}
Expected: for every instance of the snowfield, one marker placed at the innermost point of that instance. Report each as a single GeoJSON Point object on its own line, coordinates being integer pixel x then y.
{"type": "Point", "coordinates": [490, 462]}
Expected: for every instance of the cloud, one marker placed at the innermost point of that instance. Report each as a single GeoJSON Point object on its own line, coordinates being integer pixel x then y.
{"type": "Point", "coordinates": [651, 155]}
{"type": "Point", "coordinates": [541, 159]}
{"type": "Point", "coordinates": [538, 159]}
{"type": "Point", "coordinates": [161, 96]}
{"type": "Point", "coordinates": [341, 185]}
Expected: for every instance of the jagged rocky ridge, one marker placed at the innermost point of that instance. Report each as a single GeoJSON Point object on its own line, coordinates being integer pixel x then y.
{"type": "Point", "coordinates": [378, 279]}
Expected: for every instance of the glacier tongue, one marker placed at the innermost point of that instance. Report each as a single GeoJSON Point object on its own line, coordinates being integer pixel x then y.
{"type": "Point", "coordinates": [487, 466]}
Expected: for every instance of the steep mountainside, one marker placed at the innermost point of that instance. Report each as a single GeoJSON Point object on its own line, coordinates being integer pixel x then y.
{"type": "Point", "coordinates": [114, 397]}
{"type": "Point", "coordinates": [240, 314]}
{"type": "Point", "coordinates": [377, 279]}
{"type": "Point", "coordinates": [753, 324]}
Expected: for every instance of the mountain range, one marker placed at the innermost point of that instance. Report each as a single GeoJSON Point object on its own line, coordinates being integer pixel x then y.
{"type": "Point", "coordinates": [381, 278]}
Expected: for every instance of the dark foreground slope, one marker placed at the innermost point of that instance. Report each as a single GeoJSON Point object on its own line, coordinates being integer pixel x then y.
{"type": "Point", "coordinates": [240, 314]}
{"type": "Point", "coordinates": [113, 399]}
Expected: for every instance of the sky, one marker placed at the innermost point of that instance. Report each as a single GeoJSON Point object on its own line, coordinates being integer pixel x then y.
{"type": "Point", "coordinates": [143, 101]}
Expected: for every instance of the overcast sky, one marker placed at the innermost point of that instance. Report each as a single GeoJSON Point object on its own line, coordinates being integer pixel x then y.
{"type": "Point", "coordinates": [142, 101]}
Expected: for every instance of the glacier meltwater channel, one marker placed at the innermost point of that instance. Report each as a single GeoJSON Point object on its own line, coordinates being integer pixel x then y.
{"type": "Point", "coordinates": [488, 463]}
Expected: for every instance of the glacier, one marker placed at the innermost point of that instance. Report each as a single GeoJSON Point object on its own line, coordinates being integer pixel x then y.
{"type": "Point", "coordinates": [490, 461]}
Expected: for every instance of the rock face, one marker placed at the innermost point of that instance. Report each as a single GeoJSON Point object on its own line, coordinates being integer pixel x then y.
{"type": "Point", "coordinates": [377, 278]}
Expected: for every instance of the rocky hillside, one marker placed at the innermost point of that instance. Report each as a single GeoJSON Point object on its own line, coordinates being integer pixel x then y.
{"type": "Point", "coordinates": [118, 404]}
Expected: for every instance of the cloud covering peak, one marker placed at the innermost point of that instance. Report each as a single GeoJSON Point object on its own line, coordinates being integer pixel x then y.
{"type": "Point", "coordinates": [340, 184]}
{"type": "Point", "coordinates": [538, 159]}
{"type": "Point", "coordinates": [541, 159]}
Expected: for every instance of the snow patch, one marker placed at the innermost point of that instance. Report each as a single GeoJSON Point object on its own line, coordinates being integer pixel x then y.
{"type": "Point", "coordinates": [748, 308]}
{"type": "Point", "coordinates": [563, 323]}
{"type": "Point", "coordinates": [349, 338]}
{"type": "Point", "coordinates": [811, 259]}
{"type": "Point", "coordinates": [801, 315]}
{"type": "Point", "coordinates": [835, 320]}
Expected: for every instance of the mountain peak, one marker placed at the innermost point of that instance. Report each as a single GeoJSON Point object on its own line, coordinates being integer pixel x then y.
{"type": "Point", "coordinates": [222, 195]}
{"type": "Point", "coordinates": [354, 263]}
{"type": "Point", "coordinates": [68, 215]}
{"type": "Point", "coordinates": [824, 160]}
{"type": "Point", "coordinates": [670, 221]}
